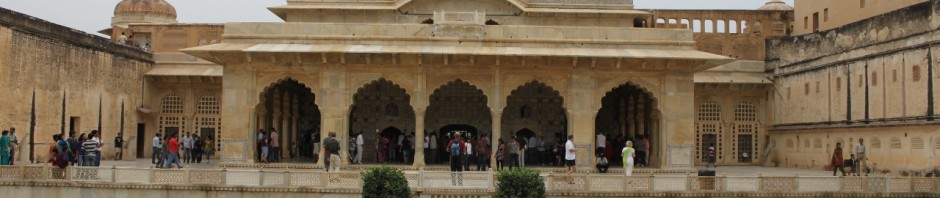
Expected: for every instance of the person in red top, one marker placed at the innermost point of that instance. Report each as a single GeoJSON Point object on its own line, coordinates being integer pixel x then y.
{"type": "Point", "coordinates": [456, 147]}
{"type": "Point", "coordinates": [173, 146]}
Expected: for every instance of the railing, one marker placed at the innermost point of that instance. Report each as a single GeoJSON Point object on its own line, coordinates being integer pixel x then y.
{"type": "Point", "coordinates": [442, 180]}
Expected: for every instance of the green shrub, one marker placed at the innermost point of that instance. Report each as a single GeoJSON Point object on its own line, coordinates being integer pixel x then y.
{"type": "Point", "coordinates": [384, 182]}
{"type": "Point", "coordinates": [520, 182]}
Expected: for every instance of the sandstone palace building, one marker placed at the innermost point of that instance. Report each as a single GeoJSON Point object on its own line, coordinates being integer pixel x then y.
{"type": "Point", "coordinates": [774, 86]}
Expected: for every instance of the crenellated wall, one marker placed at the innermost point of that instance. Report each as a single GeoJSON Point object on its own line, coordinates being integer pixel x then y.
{"type": "Point", "coordinates": [873, 79]}
{"type": "Point", "coordinates": [80, 82]}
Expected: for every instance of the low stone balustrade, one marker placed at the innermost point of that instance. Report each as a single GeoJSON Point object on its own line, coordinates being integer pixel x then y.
{"type": "Point", "coordinates": [480, 183]}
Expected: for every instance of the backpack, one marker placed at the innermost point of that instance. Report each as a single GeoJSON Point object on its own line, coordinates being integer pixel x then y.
{"type": "Point", "coordinates": [455, 148]}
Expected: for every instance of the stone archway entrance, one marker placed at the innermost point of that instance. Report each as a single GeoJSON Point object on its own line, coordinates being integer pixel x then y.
{"type": "Point", "coordinates": [288, 107]}
{"type": "Point", "coordinates": [380, 105]}
{"type": "Point", "coordinates": [628, 112]}
{"type": "Point", "coordinates": [457, 103]}
{"type": "Point", "coordinates": [535, 110]}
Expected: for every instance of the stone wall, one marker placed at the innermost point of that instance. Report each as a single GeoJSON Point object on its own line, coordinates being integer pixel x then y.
{"type": "Point", "coordinates": [873, 79]}
{"type": "Point", "coordinates": [93, 81]}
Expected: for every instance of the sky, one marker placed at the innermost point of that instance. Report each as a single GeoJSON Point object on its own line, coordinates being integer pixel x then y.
{"type": "Point", "coordinates": [94, 15]}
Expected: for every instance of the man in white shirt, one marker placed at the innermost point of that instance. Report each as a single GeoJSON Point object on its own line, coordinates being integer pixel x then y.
{"type": "Point", "coordinates": [467, 155]}
{"type": "Point", "coordinates": [570, 156]}
{"type": "Point", "coordinates": [187, 148]}
{"type": "Point", "coordinates": [395, 156]}
{"type": "Point", "coordinates": [157, 149]}
{"type": "Point", "coordinates": [862, 163]}
{"type": "Point", "coordinates": [359, 142]}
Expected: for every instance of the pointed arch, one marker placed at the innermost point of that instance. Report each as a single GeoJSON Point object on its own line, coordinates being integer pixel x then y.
{"type": "Point", "coordinates": [538, 107]}
{"type": "Point", "coordinates": [379, 105]}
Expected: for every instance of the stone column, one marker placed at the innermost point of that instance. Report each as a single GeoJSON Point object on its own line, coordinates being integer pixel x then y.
{"type": "Point", "coordinates": [419, 139]}
{"type": "Point", "coordinates": [496, 134]}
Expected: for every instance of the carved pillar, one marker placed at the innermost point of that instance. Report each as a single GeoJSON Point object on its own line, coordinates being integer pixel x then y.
{"type": "Point", "coordinates": [419, 139]}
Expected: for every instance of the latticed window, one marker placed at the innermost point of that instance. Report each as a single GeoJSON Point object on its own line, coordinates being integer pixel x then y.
{"type": "Point", "coordinates": [208, 105]}
{"type": "Point", "coordinates": [708, 130]}
{"type": "Point", "coordinates": [876, 143]}
{"type": "Point", "coordinates": [709, 111]}
{"type": "Point", "coordinates": [917, 143]}
{"type": "Point", "coordinates": [936, 143]}
{"type": "Point", "coordinates": [172, 105]}
{"type": "Point", "coordinates": [208, 120]}
{"type": "Point", "coordinates": [746, 111]}
{"type": "Point", "coordinates": [171, 115]}
{"type": "Point", "coordinates": [391, 110]}
{"type": "Point", "coordinates": [895, 143]}
{"type": "Point", "coordinates": [817, 143]}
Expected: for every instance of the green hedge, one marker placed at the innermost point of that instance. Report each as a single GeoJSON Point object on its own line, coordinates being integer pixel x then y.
{"type": "Point", "coordinates": [520, 182]}
{"type": "Point", "coordinates": [384, 182]}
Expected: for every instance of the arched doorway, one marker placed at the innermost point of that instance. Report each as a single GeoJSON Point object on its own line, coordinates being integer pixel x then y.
{"type": "Point", "coordinates": [628, 112]}
{"type": "Point", "coordinates": [288, 107]}
{"type": "Point", "coordinates": [535, 110]}
{"type": "Point", "coordinates": [380, 105]}
{"type": "Point", "coordinates": [457, 103]}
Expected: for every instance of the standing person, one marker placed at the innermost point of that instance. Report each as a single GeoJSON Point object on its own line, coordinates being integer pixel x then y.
{"type": "Point", "coordinates": [628, 153]}
{"type": "Point", "coordinates": [861, 157]}
{"type": "Point", "coordinates": [456, 147]}
{"type": "Point", "coordinates": [468, 154]}
{"type": "Point", "coordinates": [380, 149]}
{"type": "Point", "coordinates": [274, 155]}
{"type": "Point", "coordinates": [258, 145]}
{"type": "Point", "coordinates": [570, 152]}
{"type": "Point", "coordinates": [427, 149]}
{"type": "Point", "coordinates": [483, 153]}
{"type": "Point", "coordinates": [542, 155]}
{"type": "Point", "coordinates": [188, 148]}
{"type": "Point", "coordinates": [199, 146]}
{"type": "Point", "coordinates": [600, 142]}
{"type": "Point", "coordinates": [359, 142]}
{"type": "Point", "coordinates": [264, 142]}
{"type": "Point", "coordinates": [80, 151]}
{"type": "Point", "coordinates": [89, 147]}
{"type": "Point", "coordinates": [640, 152]}
{"type": "Point", "coordinates": [513, 152]}
{"type": "Point", "coordinates": [157, 148]}
{"type": "Point", "coordinates": [837, 160]}
{"type": "Point", "coordinates": [173, 146]}
{"type": "Point", "coordinates": [711, 156]}
{"type": "Point", "coordinates": [500, 154]}
{"type": "Point", "coordinates": [405, 148]}
{"type": "Point", "coordinates": [118, 147]}
{"type": "Point", "coordinates": [122, 39]}
{"type": "Point", "coordinates": [97, 137]}
{"type": "Point", "coordinates": [74, 147]}
{"type": "Point", "coordinates": [332, 146]}
{"type": "Point", "coordinates": [521, 153]}
{"type": "Point", "coordinates": [15, 145]}
{"type": "Point", "coordinates": [434, 156]}
{"type": "Point", "coordinates": [4, 147]}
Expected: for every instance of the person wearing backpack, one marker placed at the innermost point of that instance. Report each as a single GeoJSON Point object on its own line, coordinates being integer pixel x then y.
{"type": "Point", "coordinates": [456, 148]}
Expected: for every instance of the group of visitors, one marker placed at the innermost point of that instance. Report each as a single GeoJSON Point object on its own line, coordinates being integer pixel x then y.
{"type": "Point", "coordinates": [858, 161]}
{"type": "Point", "coordinates": [167, 150]}
{"type": "Point", "coordinates": [269, 146]}
{"type": "Point", "coordinates": [641, 145]}
{"type": "Point", "coordinates": [84, 150]}
{"type": "Point", "coordinates": [130, 41]}
{"type": "Point", "coordinates": [390, 148]}
{"type": "Point", "coordinates": [8, 147]}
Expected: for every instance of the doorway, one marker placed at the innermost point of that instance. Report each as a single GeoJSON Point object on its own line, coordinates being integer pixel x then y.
{"type": "Point", "coordinates": [141, 139]}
